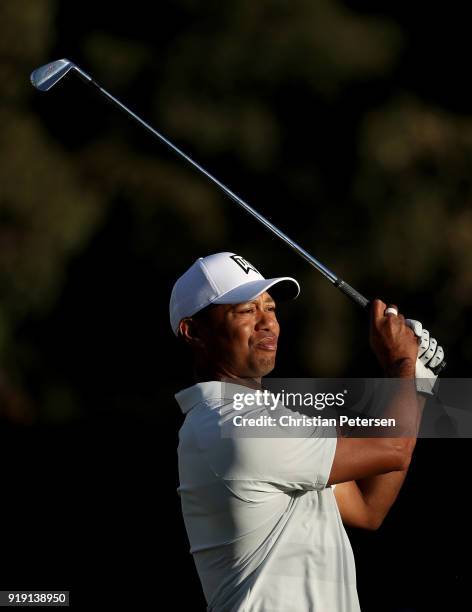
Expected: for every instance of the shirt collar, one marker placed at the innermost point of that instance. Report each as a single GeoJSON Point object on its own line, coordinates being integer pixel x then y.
{"type": "Point", "coordinates": [202, 391]}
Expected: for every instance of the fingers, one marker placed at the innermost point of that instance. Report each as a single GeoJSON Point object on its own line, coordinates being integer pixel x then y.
{"type": "Point", "coordinates": [391, 310]}
{"type": "Point", "coordinates": [381, 311]}
{"type": "Point", "coordinates": [416, 326]}
{"type": "Point", "coordinates": [424, 343]}
{"type": "Point", "coordinates": [429, 352]}
{"type": "Point", "coordinates": [378, 309]}
{"type": "Point", "coordinates": [388, 329]}
{"type": "Point", "coordinates": [437, 359]}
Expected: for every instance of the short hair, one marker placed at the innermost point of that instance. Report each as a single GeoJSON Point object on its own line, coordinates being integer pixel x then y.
{"type": "Point", "coordinates": [186, 353]}
{"type": "Point", "coordinates": [201, 315]}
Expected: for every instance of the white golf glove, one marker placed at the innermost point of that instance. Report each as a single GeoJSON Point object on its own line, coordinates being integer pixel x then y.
{"type": "Point", "coordinates": [430, 355]}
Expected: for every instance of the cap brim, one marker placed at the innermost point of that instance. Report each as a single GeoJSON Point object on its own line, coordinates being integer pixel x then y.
{"type": "Point", "coordinates": [283, 288]}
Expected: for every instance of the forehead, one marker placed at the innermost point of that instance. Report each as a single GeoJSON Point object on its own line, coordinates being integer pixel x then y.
{"type": "Point", "coordinates": [264, 297]}
{"type": "Point", "coordinates": [220, 309]}
{"type": "Point", "coordinates": [215, 311]}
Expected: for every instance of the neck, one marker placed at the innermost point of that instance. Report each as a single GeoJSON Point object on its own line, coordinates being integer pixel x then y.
{"type": "Point", "coordinates": [206, 373]}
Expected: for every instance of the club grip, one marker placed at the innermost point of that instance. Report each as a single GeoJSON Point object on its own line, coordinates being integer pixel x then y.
{"type": "Point", "coordinates": [355, 296]}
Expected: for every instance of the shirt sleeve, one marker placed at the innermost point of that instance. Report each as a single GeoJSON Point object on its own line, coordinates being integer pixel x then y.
{"type": "Point", "coordinates": [289, 464]}
{"type": "Point", "coordinates": [289, 460]}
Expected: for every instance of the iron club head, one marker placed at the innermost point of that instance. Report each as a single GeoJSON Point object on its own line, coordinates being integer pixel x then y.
{"type": "Point", "coordinates": [45, 77]}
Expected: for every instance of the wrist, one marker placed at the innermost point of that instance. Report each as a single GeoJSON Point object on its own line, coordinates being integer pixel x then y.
{"type": "Point", "coordinates": [402, 368]}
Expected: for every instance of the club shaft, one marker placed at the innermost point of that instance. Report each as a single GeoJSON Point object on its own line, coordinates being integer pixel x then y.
{"type": "Point", "coordinates": [326, 272]}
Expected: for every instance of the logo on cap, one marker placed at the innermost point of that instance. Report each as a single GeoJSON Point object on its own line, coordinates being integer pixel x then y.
{"type": "Point", "coordinates": [243, 264]}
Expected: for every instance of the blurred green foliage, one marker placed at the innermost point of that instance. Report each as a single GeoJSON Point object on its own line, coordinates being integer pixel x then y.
{"type": "Point", "coordinates": [296, 106]}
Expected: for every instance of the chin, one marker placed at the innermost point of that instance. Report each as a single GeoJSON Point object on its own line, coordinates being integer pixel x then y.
{"type": "Point", "coordinates": [266, 366]}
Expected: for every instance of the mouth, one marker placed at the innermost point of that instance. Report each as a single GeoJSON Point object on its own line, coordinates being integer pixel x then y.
{"type": "Point", "coordinates": [267, 344]}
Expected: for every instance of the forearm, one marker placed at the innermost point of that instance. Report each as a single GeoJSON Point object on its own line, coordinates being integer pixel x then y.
{"type": "Point", "coordinates": [380, 492]}
{"type": "Point", "coordinates": [405, 407]}
{"type": "Point", "coordinates": [398, 401]}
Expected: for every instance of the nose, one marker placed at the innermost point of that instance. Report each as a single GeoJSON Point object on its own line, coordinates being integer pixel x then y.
{"type": "Point", "coordinates": [266, 320]}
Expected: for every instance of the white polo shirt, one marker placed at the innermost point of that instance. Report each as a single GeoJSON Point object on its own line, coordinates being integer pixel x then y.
{"type": "Point", "coordinates": [264, 528]}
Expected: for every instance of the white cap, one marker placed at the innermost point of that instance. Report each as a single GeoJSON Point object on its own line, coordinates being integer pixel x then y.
{"type": "Point", "coordinates": [223, 278]}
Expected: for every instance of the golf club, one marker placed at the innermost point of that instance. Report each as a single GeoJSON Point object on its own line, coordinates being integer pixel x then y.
{"type": "Point", "coordinates": [45, 77]}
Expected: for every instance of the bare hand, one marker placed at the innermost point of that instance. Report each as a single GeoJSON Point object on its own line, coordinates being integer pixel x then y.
{"type": "Point", "coordinates": [393, 342]}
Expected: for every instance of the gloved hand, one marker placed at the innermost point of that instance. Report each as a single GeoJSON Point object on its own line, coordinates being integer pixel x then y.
{"type": "Point", "coordinates": [430, 355]}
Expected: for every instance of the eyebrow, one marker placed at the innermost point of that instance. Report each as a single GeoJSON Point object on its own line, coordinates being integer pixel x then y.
{"type": "Point", "coordinates": [266, 301]}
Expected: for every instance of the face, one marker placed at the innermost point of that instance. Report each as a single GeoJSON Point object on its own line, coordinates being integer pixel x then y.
{"type": "Point", "coordinates": [239, 341]}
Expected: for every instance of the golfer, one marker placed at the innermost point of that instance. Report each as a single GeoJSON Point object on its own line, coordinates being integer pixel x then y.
{"type": "Point", "coordinates": [263, 517]}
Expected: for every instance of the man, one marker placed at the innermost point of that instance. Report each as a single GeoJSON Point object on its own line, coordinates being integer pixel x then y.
{"type": "Point", "coordinates": [264, 520]}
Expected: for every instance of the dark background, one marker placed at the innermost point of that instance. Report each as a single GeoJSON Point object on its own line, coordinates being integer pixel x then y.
{"type": "Point", "coordinates": [347, 124]}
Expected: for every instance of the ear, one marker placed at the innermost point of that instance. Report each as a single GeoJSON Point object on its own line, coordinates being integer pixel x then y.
{"type": "Point", "coordinates": [189, 332]}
